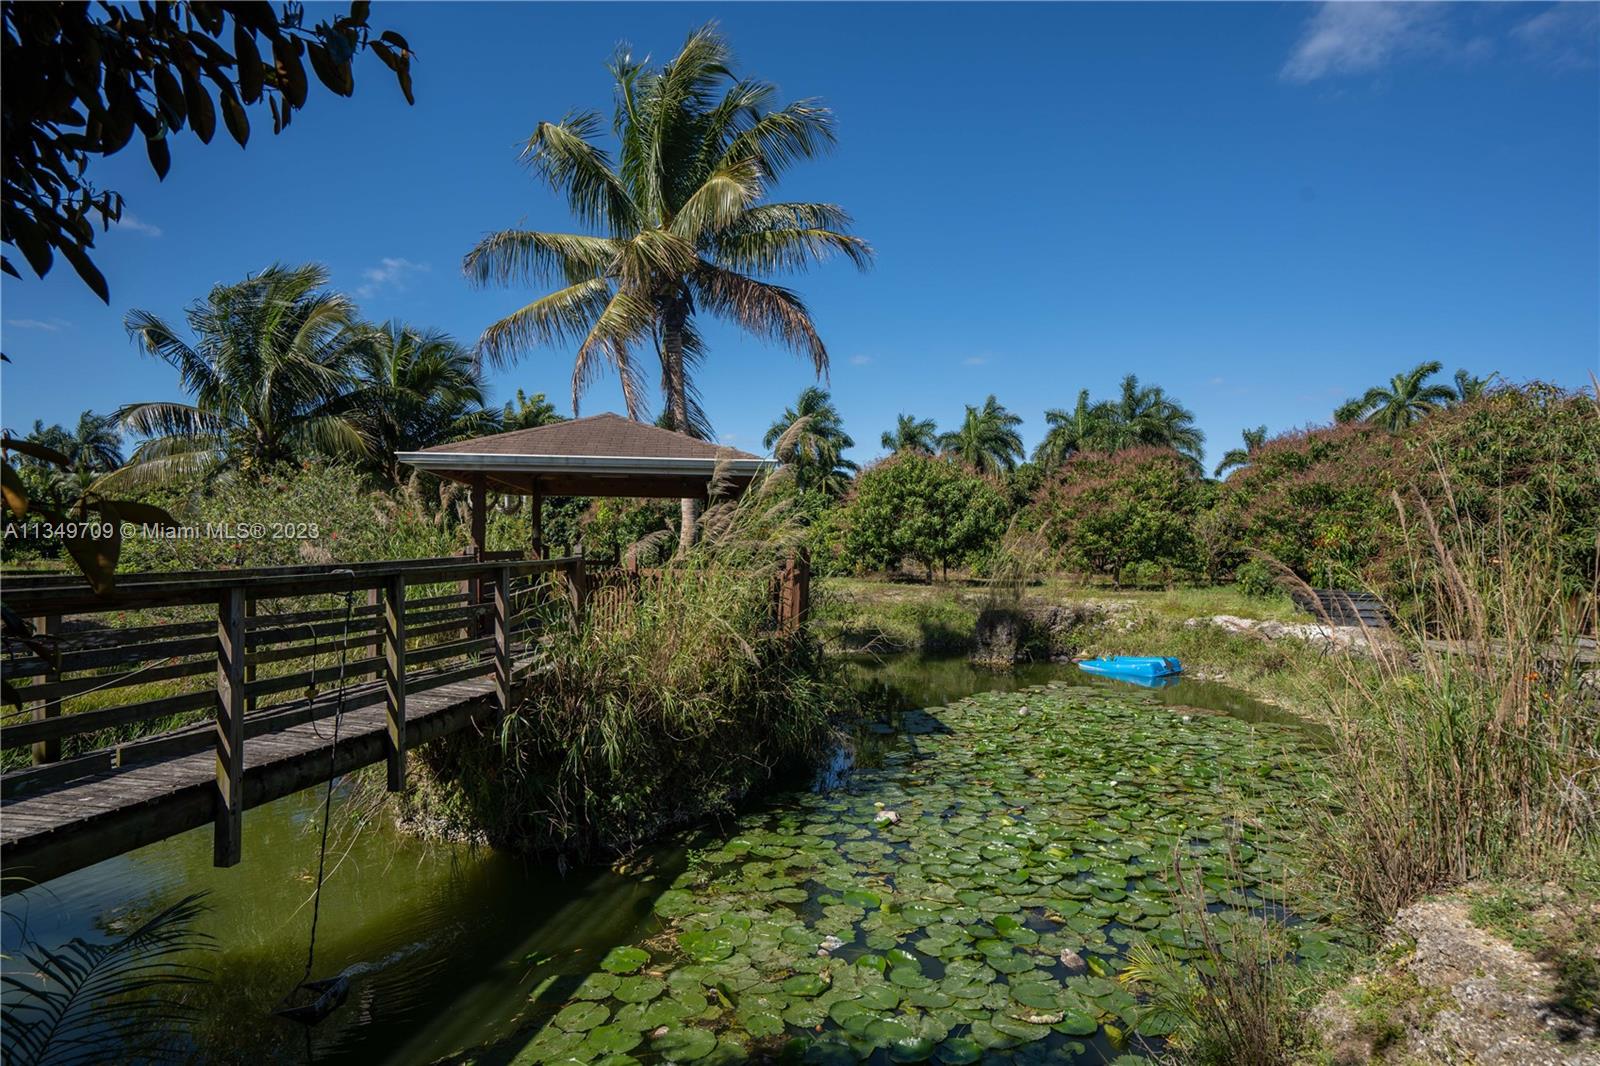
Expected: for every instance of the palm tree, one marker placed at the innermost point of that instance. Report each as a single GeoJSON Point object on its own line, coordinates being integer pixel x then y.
{"type": "Point", "coordinates": [683, 229]}
{"type": "Point", "coordinates": [1145, 414]}
{"type": "Point", "coordinates": [418, 388]}
{"type": "Point", "coordinates": [1468, 387]}
{"type": "Point", "coordinates": [1087, 427]}
{"type": "Point", "coordinates": [270, 373]}
{"type": "Point", "coordinates": [987, 440]}
{"type": "Point", "coordinates": [810, 438]}
{"type": "Point", "coordinates": [912, 434]}
{"type": "Point", "coordinates": [95, 445]}
{"type": "Point", "coordinates": [1407, 398]}
{"type": "Point", "coordinates": [529, 412]}
{"type": "Point", "coordinates": [1239, 458]}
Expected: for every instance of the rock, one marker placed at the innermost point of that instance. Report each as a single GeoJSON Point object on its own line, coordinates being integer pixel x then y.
{"type": "Point", "coordinates": [1345, 638]}
{"type": "Point", "coordinates": [1073, 962]}
{"type": "Point", "coordinates": [1034, 632]}
{"type": "Point", "coordinates": [886, 818]}
{"type": "Point", "coordinates": [831, 943]}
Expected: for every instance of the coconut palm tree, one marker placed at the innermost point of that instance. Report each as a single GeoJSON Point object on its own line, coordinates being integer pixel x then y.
{"type": "Point", "coordinates": [1468, 387]}
{"type": "Point", "coordinates": [682, 229]}
{"type": "Point", "coordinates": [270, 373]}
{"type": "Point", "coordinates": [417, 388]}
{"type": "Point", "coordinates": [1239, 458]}
{"type": "Point", "coordinates": [810, 438]}
{"type": "Point", "coordinates": [987, 440]}
{"type": "Point", "coordinates": [1407, 398]}
{"type": "Point", "coordinates": [1087, 427]}
{"type": "Point", "coordinates": [912, 434]}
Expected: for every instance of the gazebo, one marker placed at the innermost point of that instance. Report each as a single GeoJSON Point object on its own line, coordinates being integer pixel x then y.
{"type": "Point", "coordinates": [600, 455]}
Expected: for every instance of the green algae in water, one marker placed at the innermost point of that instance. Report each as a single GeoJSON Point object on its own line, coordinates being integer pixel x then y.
{"type": "Point", "coordinates": [1026, 828]}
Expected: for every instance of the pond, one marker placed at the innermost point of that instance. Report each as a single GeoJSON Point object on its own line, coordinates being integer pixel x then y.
{"type": "Point", "coordinates": [992, 826]}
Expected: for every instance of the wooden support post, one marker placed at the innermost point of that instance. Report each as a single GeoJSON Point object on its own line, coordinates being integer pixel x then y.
{"type": "Point", "coordinates": [578, 586]}
{"type": "Point", "coordinates": [249, 667]}
{"type": "Point", "coordinates": [47, 750]}
{"type": "Point", "coordinates": [479, 517]}
{"type": "Point", "coordinates": [535, 522]}
{"type": "Point", "coordinates": [502, 639]}
{"type": "Point", "coordinates": [230, 729]}
{"type": "Point", "coordinates": [479, 505]}
{"type": "Point", "coordinates": [394, 676]}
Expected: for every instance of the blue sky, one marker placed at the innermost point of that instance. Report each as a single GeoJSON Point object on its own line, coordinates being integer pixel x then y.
{"type": "Point", "coordinates": [1264, 208]}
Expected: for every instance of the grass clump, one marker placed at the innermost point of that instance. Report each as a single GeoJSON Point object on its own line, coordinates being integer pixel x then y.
{"type": "Point", "coordinates": [1467, 746]}
{"type": "Point", "coordinates": [1231, 998]}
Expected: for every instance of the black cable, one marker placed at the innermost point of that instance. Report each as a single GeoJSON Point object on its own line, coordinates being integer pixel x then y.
{"type": "Point", "coordinates": [327, 799]}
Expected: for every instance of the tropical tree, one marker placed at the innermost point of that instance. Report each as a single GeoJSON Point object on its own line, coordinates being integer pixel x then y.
{"type": "Point", "coordinates": [270, 373]}
{"type": "Point", "coordinates": [1468, 387]}
{"type": "Point", "coordinates": [1087, 427]}
{"type": "Point", "coordinates": [810, 438]}
{"type": "Point", "coordinates": [912, 434]}
{"type": "Point", "coordinates": [416, 388]}
{"type": "Point", "coordinates": [95, 444]}
{"type": "Point", "coordinates": [915, 507]}
{"type": "Point", "coordinates": [987, 439]}
{"type": "Point", "coordinates": [1407, 398]}
{"type": "Point", "coordinates": [1239, 458]}
{"type": "Point", "coordinates": [529, 412]}
{"type": "Point", "coordinates": [1146, 415]}
{"type": "Point", "coordinates": [683, 229]}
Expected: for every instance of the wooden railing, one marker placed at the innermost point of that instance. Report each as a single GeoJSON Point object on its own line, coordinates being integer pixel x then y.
{"type": "Point", "coordinates": [194, 661]}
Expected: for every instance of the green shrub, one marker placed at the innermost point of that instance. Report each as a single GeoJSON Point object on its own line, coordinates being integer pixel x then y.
{"type": "Point", "coordinates": [1106, 513]}
{"type": "Point", "coordinates": [927, 510]}
{"type": "Point", "coordinates": [1256, 579]}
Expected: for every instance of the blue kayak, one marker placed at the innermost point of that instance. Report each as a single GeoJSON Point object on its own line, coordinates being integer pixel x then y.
{"type": "Point", "coordinates": [1133, 667]}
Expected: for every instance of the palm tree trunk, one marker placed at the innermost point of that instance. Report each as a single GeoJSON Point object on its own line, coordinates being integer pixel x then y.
{"type": "Point", "coordinates": [678, 408]}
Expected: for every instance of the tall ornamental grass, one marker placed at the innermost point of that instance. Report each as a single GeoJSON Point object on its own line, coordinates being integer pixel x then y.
{"type": "Point", "coordinates": [1470, 745]}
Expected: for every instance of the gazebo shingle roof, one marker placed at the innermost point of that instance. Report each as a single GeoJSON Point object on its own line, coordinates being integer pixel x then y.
{"type": "Point", "coordinates": [603, 435]}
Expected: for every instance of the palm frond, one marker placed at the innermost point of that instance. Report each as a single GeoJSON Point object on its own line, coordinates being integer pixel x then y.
{"type": "Point", "coordinates": [92, 1002]}
{"type": "Point", "coordinates": [527, 256]}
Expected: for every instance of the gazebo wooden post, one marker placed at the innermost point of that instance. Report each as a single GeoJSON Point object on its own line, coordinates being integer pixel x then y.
{"type": "Point", "coordinates": [535, 520]}
{"type": "Point", "coordinates": [479, 527]}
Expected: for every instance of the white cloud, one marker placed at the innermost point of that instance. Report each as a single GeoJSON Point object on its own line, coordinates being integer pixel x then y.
{"type": "Point", "coordinates": [51, 325]}
{"type": "Point", "coordinates": [391, 272]}
{"type": "Point", "coordinates": [1354, 38]}
{"type": "Point", "coordinates": [860, 360]}
{"type": "Point", "coordinates": [1566, 36]}
{"type": "Point", "coordinates": [1214, 381]}
{"type": "Point", "coordinates": [132, 222]}
{"type": "Point", "coordinates": [975, 360]}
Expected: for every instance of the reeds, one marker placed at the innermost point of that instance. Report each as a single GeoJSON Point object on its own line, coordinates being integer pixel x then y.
{"type": "Point", "coordinates": [1469, 744]}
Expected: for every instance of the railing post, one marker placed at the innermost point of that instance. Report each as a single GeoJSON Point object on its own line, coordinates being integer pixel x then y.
{"type": "Point", "coordinates": [502, 639]}
{"type": "Point", "coordinates": [230, 728]}
{"type": "Point", "coordinates": [249, 667]}
{"type": "Point", "coordinates": [394, 676]}
{"type": "Point", "coordinates": [578, 585]}
{"type": "Point", "coordinates": [47, 750]}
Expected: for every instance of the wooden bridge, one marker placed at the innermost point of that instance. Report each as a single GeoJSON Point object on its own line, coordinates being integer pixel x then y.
{"type": "Point", "coordinates": [226, 685]}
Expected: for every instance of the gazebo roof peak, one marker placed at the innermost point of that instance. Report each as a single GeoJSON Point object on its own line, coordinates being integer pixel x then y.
{"type": "Point", "coordinates": [602, 435]}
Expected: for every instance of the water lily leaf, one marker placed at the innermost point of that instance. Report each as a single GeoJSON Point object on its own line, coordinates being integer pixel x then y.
{"type": "Point", "coordinates": [805, 984]}
{"type": "Point", "coordinates": [597, 986]}
{"type": "Point", "coordinates": [640, 989]}
{"type": "Point", "coordinates": [958, 1051]}
{"type": "Point", "coordinates": [622, 960]}
{"type": "Point", "coordinates": [612, 1039]}
{"type": "Point", "coordinates": [580, 1017]}
{"type": "Point", "coordinates": [685, 1044]}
